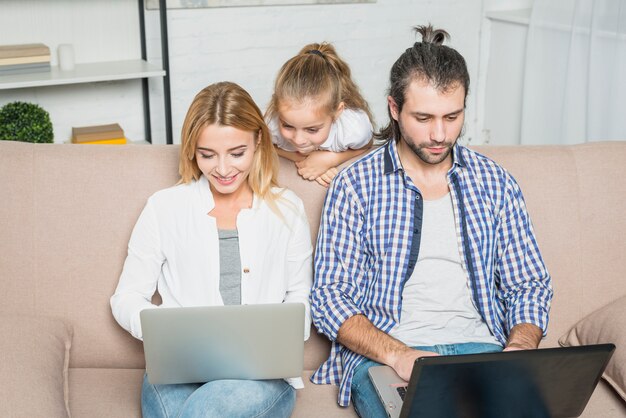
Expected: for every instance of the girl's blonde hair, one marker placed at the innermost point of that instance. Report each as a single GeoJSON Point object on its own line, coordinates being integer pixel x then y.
{"type": "Point", "coordinates": [228, 104]}
{"type": "Point", "coordinates": [317, 71]}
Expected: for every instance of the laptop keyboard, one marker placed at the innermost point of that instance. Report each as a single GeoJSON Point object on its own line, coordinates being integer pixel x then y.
{"type": "Point", "coordinates": [401, 391]}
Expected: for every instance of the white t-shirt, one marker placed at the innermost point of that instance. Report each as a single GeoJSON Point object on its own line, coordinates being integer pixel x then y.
{"type": "Point", "coordinates": [437, 305]}
{"type": "Point", "coordinates": [351, 130]}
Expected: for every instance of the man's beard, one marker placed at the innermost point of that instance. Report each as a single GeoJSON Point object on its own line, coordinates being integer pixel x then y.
{"type": "Point", "coordinates": [420, 150]}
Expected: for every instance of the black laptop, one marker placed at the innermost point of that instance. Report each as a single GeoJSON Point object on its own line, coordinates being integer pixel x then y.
{"type": "Point", "coordinates": [543, 383]}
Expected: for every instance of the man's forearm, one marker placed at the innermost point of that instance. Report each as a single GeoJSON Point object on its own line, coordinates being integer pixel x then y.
{"type": "Point", "coordinates": [524, 337]}
{"type": "Point", "coordinates": [359, 335]}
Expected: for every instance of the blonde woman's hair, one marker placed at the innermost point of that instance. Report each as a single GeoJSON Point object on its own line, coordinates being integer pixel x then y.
{"type": "Point", "coordinates": [228, 104]}
{"type": "Point", "coordinates": [317, 71]}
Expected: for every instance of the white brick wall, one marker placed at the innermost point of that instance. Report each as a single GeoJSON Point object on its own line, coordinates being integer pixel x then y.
{"type": "Point", "coordinates": [248, 45]}
{"type": "Point", "coordinates": [245, 45]}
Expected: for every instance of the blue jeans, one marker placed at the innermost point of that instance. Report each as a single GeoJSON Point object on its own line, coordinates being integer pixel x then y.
{"type": "Point", "coordinates": [366, 402]}
{"type": "Point", "coordinates": [219, 398]}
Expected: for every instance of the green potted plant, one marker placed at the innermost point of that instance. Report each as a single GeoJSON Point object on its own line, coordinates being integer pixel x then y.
{"type": "Point", "coordinates": [26, 122]}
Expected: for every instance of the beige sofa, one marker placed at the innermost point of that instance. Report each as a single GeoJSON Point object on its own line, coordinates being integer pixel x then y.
{"type": "Point", "coordinates": [67, 211]}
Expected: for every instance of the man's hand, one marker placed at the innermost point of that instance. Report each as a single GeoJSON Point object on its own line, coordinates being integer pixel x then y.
{"type": "Point", "coordinates": [316, 164]}
{"type": "Point", "coordinates": [359, 335]}
{"type": "Point", "coordinates": [524, 337]}
{"type": "Point", "coordinates": [403, 362]}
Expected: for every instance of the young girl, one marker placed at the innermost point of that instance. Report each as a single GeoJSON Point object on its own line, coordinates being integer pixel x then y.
{"type": "Point", "coordinates": [317, 116]}
{"type": "Point", "coordinates": [224, 235]}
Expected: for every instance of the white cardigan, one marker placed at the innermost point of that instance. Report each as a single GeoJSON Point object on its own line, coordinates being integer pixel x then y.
{"type": "Point", "coordinates": [175, 247]}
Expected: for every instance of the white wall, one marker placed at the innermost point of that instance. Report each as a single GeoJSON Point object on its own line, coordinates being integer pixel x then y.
{"type": "Point", "coordinates": [500, 58]}
{"type": "Point", "coordinates": [248, 45]}
{"type": "Point", "coordinates": [504, 78]}
{"type": "Point", "coordinates": [99, 30]}
{"type": "Point", "coordinates": [245, 45]}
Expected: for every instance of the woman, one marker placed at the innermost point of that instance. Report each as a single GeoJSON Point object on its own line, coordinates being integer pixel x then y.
{"type": "Point", "coordinates": [226, 234]}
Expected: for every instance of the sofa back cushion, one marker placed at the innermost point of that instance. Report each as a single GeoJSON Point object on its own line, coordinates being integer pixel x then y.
{"type": "Point", "coordinates": [577, 199]}
{"type": "Point", "coordinates": [67, 212]}
{"type": "Point", "coordinates": [67, 215]}
{"type": "Point", "coordinates": [34, 358]}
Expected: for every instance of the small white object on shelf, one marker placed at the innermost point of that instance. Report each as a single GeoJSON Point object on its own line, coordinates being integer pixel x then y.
{"type": "Point", "coordinates": [66, 57]}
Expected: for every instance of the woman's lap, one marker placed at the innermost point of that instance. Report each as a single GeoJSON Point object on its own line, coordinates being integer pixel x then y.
{"type": "Point", "coordinates": [232, 398]}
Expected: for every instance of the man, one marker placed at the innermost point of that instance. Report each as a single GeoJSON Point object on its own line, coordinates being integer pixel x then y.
{"type": "Point", "coordinates": [425, 247]}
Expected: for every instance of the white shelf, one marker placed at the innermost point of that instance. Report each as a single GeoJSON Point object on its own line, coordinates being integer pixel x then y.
{"type": "Point", "coordinates": [83, 73]}
{"type": "Point", "coordinates": [520, 16]}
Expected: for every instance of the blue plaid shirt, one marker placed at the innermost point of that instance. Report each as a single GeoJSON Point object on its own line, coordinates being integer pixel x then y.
{"type": "Point", "coordinates": [369, 240]}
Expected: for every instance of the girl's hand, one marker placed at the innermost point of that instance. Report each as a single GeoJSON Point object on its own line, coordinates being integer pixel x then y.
{"type": "Point", "coordinates": [327, 177]}
{"type": "Point", "coordinates": [316, 164]}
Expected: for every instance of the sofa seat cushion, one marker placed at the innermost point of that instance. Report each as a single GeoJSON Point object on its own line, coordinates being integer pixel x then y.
{"type": "Point", "coordinates": [116, 393]}
{"type": "Point", "coordinates": [34, 359]}
{"type": "Point", "coordinates": [605, 325]}
{"type": "Point", "coordinates": [105, 393]}
{"type": "Point", "coordinates": [604, 403]}
{"type": "Point", "coordinates": [319, 400]}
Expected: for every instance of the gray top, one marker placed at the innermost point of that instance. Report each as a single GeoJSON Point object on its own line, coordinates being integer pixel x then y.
{"type": "Point", "coordinates": [230, 267]}
{"type": "Point", "coordinates": [437, 305]}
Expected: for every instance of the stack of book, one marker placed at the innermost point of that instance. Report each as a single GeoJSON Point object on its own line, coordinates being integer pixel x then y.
{"type": "Point", "coordinates": [98, 134]}
{"type": "Point", "coordinates": [25, 58]}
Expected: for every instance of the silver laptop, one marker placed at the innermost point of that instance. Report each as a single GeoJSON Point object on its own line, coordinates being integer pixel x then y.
{"type": "Point", "coordinates": [544, 383]}
{"type": "Point", "coordinates": [200, 344]}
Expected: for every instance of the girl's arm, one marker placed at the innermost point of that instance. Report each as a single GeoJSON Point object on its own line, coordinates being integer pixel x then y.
{"type": "Point", "coordinates": [349, 137]}
{"type": "Point", "coordinates": [319, 162]}
{"type": "Point", "coordinates": [290, 155]}
{"type": "Point", "coordinates": [343, 156]}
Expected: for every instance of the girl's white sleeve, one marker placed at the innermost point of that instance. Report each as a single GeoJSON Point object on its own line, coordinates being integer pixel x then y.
{"type": "Point", "coordinates": [352, 130]}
